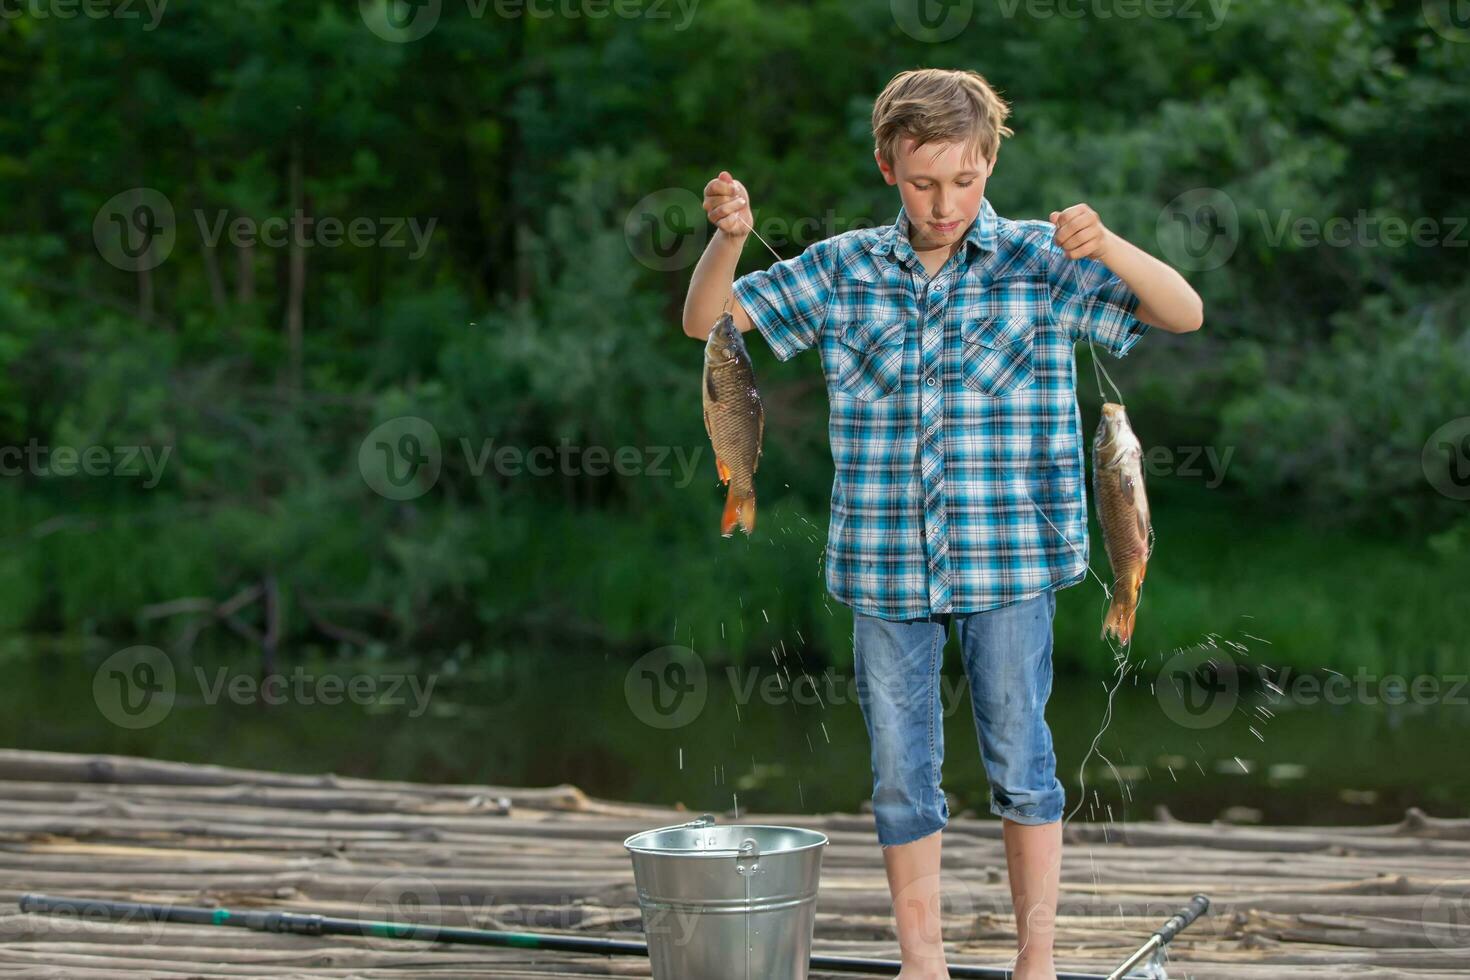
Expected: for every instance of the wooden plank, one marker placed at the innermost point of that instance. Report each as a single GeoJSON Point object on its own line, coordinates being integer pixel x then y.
{"type": "Point", "coordinates": [1288, 902]}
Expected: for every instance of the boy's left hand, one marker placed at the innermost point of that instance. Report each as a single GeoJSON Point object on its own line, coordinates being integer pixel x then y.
{"type": "Point", "coordinates": [1080, 232]}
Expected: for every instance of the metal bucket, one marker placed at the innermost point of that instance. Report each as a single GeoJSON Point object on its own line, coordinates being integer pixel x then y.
{"type": "Point", "coordinates": [733, 902]}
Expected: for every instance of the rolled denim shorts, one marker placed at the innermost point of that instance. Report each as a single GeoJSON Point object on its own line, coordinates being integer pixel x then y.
{"type": "Point", "coordinates": [1007, 657]}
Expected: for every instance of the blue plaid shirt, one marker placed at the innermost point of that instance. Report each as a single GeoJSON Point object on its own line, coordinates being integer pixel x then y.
{"type": "Point", "coordinates": [954, 424]}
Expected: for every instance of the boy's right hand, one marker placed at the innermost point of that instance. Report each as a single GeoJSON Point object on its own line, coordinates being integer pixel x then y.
{"type": "Point", "coordinates": [728, 205]}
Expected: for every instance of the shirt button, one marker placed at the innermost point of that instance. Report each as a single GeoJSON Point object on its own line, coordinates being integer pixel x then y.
{"type": "Point", "coordinates": [930, 382]}
{"type": "Point", "coordinates": [933, 429]}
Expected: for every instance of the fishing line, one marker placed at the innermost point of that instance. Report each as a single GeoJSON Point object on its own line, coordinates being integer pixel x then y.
{"type": "Point", "coordinates": [767, 244]}
{"type": "Point", "coordinates": [1098, 370]}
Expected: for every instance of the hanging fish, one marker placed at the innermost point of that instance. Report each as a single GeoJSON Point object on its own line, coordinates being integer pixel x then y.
{"type": "Point", "coordinates": [734, 419]}
{"type": "Point", "coordinates": [1122, 508]}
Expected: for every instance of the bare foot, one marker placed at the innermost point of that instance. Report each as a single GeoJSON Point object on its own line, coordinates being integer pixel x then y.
{"type": "Point", "coordinates": [917, 973]}
{"type": "Point", "coordinates": [1034, 970]}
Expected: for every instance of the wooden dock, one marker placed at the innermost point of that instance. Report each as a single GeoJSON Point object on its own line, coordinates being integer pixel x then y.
{"type": "Point", "coordinates": [1288, 902]}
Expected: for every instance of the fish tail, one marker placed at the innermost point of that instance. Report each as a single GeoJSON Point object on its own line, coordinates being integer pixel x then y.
{"type": "Point", "coordinates": [738, 510]}
{"type": "Point", "coordinates": [1124, 608]}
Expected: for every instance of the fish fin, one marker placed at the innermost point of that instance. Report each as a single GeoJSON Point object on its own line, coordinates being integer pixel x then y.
{"type": "Point", "coordinates": [1124, 608]}
{"type": "Point", "coordinates": [728, 518]}
{"type": "Point", "coordinates": [722, 470]}
{"type": "Point", "coordinates": [740, 511]}
{"type": "Point", "coordinates": [708, 430]}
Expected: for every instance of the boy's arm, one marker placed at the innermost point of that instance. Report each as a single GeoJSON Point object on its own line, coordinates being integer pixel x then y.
{"type": "Point", "coordinates": [727, 204]}
{"type": "Point", "coordinates": [1165, 299]}
{"type": "Point", "coordinates": [711, 285]}
{"type": "Point", "coordinates": [787, 303]}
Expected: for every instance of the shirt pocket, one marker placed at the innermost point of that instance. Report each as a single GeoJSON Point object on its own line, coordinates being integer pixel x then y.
{"type": "Point", "coordinates": [996, 355]}
{"type": "Point", "coordinates": [869, 358]}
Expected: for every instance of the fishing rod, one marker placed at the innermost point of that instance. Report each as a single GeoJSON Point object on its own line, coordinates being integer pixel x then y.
{"type": "Point", "coordinates": [311, 924]}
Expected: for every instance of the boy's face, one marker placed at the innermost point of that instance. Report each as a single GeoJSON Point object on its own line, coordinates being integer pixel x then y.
{"type": "Point", "coordinates": [941, 186]}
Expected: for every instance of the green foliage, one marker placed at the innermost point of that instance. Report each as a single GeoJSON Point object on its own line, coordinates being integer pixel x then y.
{"type": "Point", "coordinates": [525, 322]}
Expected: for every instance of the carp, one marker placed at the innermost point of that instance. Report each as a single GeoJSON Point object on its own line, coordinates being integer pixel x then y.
{"type": "Point", "coordinates": [735, 421]}
{"type": "Point", "coordinates": [1122, 509]}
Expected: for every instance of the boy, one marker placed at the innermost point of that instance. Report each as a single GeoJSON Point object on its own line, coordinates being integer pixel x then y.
{"type": "Point", "coordinates": [947, 340]}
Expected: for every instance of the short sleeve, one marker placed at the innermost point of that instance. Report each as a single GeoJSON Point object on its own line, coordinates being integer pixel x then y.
{"type": "Point", "coordinates": [1093, 303]}
{"type": "Point", "coordinates": [788, 302]}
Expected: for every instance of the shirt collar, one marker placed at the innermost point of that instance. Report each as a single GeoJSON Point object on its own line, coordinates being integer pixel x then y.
{"type": "Point", "coordinates": [895, 238]}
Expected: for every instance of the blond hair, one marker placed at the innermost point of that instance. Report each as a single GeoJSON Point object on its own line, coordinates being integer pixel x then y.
{"type": "Point", "coordinates": [939, 105]}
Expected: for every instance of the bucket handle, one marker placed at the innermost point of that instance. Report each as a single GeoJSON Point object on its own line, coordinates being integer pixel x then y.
{"type": "Point", "coordinates": [749, 861]}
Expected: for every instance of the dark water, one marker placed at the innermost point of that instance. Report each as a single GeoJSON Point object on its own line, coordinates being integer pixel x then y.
{"type": "Point", "coordinates": [654, 731]}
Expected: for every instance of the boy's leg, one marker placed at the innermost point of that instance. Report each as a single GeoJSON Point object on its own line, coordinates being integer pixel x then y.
{"type": "Point", "coordinates": [1033, 861]}
{"type": "Point", "coordinates": [896, 666]}
{"type": "Point", "coordinates": [913, 882]}
{"type": "Point", "coordinates": [1007, 655]}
